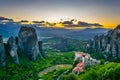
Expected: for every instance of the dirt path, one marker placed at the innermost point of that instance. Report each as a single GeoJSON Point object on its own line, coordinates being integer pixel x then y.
{"type": "Point", "coordinates": [56, 67]}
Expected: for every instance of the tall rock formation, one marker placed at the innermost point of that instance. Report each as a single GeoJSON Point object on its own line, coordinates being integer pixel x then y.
{"type": "Point", "coordinates": [2, 53]}
{"type": "Point", "coordinates": [40, 43]}
{"type": "Point", "coordinates": [28, 42]}
{"type": "Point", "coordinates": [114, 37]}
{"type": "Point", "coordinates": [96, 43]}
{"type": "Point", "coordinates": [109, 44]}
{"type": "Point", "coordinates": [12, 49]}
{"type": "Point", "coordinates": [25, 43]}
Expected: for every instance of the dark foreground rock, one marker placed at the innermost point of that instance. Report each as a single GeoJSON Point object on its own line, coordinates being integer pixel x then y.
{"type": "Point", "coordinates": [12, 49]}
{"type": "Point", "coordinates": [40, 43]}
{"type": "Point", "coordinates": [2, 53]}
{"type": "Point", "coordinates": [28, 42]}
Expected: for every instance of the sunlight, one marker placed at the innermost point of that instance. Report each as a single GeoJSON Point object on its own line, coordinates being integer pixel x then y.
{"type": "Point", "coordinates": [59, 25]}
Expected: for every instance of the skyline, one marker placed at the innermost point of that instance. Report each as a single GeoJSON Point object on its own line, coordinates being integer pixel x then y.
{"type": "Point", "coordinates": [105, 12]}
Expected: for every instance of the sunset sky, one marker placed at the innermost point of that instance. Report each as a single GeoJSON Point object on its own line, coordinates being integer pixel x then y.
{"type": "Point", "coordinates": [105, 12]}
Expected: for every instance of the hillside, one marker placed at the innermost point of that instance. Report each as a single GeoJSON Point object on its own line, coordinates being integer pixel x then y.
{"type": "Point", "coordinates": [99, 72]}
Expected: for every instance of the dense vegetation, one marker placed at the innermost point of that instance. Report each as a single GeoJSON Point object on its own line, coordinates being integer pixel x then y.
{"type": "Point", "coordinates": [64, 44]}
{"type": "Point", "coordinates": [28, 70]}
{"type": "Point", "coordinates": [109, 71]}
{"type": "Point", "coordinates": [55, 74]}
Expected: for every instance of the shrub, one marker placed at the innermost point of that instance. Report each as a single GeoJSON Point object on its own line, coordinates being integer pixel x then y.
{"type": "Point", "coordinates": [69, 77]}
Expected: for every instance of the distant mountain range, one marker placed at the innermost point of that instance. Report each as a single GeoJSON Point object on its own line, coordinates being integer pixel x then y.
{"type": "Point", "coordinates": [74, 34]}
{"type": "Point", "coordinates": [7, 30]}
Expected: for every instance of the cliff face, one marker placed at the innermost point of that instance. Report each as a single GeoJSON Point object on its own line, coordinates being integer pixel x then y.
{"type": "Point", "coordinates": [26, 43]}
{"type": "Point", "coordinates": [109, 44]}
{"type": "Point", "coordinates": [2, 53]}
{"type": "Point", "coordinates": [114, 39]}
{"type": "Point", "coordinates": [12, 49]}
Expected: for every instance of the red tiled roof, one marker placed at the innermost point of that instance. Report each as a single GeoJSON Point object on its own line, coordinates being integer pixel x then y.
{"type": "Point", "coordinates": [81, 64]}
{"type": "Point", "coordinates": [79, 67]}
{"type": "Point", "coordinates": [76, 69]}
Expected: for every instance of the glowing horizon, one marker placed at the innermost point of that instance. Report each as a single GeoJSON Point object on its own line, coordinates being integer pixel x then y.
{"type": "Point", "coordinates": [105, 12]}
{"type": "Point", "coordinates": [107, 23]}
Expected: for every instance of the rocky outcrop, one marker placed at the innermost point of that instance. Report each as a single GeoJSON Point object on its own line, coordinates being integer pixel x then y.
{"type": "Point", "coordinates": [96, 43]}
{"type": "Point", "coordinates": [63, 45]}
{"type": "Point", "coordinates": [109, 44]}
{"type": "Point", "coordinates": [2, 53]}
{"type": "Point", "coordinates": [40, 43]}
{"type": "Point", "coordinates": [12, 49]}
{"type": "Point", "coordinates": [28, 42]}
{"type": "Point", "coordinates": [25, 43]}
{"type": "Point", "coordinates": [114, 39]}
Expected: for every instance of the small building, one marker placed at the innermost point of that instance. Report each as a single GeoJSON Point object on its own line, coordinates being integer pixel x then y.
{"type": "Point", "coordinates": [83, 60]}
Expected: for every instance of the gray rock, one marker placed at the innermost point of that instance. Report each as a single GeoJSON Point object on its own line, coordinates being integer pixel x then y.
{"type": "Point", "coordinates": [40, 48]}
{"type": "Point", "coordinates": [115, 42]}
{"type": "Point", "coordinates": [103, 42]}
{"type": "Point", "coordinates": [108, 46]}
{"type": "Point", "coordinates": [2, 53]}
{"type": "Point", "coordinates": [109, 43]}
{"type": "Point", "coordinates": [89, 45]}
{"type": "Point", "coordinates": [28, 42]}
{"type": "Point", "coordinates": [96, 44]}
{"type": "Point", "coordinates": [12, 49]}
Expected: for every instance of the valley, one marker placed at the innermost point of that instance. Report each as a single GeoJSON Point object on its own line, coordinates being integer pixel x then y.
{"type": "Point", "coordinates": [56, 60]}
{"type": "Point", "coordinates": [59, 39]}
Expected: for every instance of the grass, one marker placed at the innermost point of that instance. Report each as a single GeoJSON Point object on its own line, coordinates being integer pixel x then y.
{"type": "Point", "coordinates": [53, 75]}
{"type": "Point", "coordinates": [28, 70]}
{"type": "Point", "coordinates": [110, 71]}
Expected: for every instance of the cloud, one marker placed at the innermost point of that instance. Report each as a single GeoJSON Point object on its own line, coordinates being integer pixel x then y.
{"type": "Point", "coordinates": [85, 24]}
{"type": "Point", "coordinates": [24, 21]}
{"type": "Point", "coordinates": [3, 18]}
{"type": "Point", "coordinates": [97, 24]}
{"type": "Point", "coordinates": [80, 24]}
{"type": "Point", "coordinates": [68, 22]}
{"type": "Point", "coordinates": [38, 22]}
